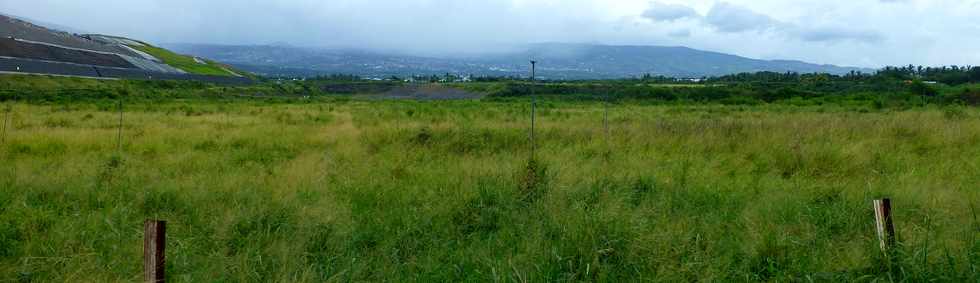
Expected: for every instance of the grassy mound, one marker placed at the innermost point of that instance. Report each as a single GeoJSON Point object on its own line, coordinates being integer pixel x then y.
{"type": "Point", "coordinates": [186, 63]}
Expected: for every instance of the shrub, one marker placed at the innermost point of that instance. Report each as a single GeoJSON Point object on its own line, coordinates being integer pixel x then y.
{"type": "Point", "coordinates": [954, 113]}
{"type": "Point", "coordinates": [970, 97]}
{"type": "Point", "coordinates": [923, 89]}
{"type": "Point", "coordinates": [533, 181]}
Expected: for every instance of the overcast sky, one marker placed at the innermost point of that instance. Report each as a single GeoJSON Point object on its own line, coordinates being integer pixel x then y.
{"type": "Point", "coordinates": [866, 33]}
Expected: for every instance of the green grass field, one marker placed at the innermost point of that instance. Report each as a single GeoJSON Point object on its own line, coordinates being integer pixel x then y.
{"type": "Point", "coordinates": [325, 190]}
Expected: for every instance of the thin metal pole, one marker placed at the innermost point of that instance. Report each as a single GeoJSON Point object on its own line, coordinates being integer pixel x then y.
{"type": "Point", "coordinates": [119, 134]}
{"type": "Point", "coordinates": [534, 103]}
{"type": "Point", "coordinates": [605, 117]}
{"type": "Point", "coordinates": [227, 109]}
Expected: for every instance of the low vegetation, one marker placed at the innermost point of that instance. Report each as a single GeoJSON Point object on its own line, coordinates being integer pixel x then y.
{"type": "Point", "coordinates": [184, 62]}
{"type": "Point", "coordinates": [328, 188]}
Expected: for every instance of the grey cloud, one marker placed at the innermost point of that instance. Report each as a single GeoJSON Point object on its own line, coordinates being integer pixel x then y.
{"type": "Point", "coordinates": [838, 34]}
{"type": "Point", "coordinates": [683, 33]}
{"type": "Point", "coordinates": [831, 31]}
{"type": "Point", "coordinates": [731, 18]}
{"type": "Point", "coordinates": [669, 12]}
{"type": "Point", "coordinates": [410, 26]}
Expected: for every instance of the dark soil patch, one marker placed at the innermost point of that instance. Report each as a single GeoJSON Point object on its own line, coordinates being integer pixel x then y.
{"type": "Point", "coordinates": [429, 92]}
{"type": "Point", "coordinates": [358, 87]}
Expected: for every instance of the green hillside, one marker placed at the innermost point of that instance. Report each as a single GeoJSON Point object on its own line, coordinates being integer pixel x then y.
{"type": "Point", "coordinates": [184, 62]}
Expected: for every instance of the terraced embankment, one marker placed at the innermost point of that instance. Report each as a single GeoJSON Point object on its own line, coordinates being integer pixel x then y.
{"type": "Point", "coordinates": [27, 66]}
{"type": "Point", "coordinates": [20, 49]}
{"type": "Point", "coordinates": [30, 49]}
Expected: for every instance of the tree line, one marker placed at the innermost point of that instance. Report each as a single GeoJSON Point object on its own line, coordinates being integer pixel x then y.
{"type": "Point", "coordinates": [949, 75]}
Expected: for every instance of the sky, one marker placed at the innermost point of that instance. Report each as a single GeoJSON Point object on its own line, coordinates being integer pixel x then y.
{"type": "Point", "coordinates": [862, 33]}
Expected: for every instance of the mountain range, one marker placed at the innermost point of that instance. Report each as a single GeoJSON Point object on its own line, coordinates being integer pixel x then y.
{"type": "Point", "coordinates": [28, 46]}
{"type": "Point", "coordinates": [556, 61]}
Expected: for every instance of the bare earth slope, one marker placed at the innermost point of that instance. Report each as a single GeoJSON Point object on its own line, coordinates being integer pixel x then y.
{"type": "Point", "coordinates": [10, 27]}
{"type": "Point", "coordinates": [27, 48]}
{"type": "Point", "coordinates": [19, 49]}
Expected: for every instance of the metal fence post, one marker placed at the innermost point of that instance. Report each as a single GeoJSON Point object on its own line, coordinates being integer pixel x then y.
{"type": "Point", "coordinates": [534, 103]}
{"type": "Point", "coordinates": [119, 133]}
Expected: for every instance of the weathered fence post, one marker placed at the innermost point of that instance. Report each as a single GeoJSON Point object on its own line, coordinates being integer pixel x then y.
{"type": "Point", "coordinates": [154, 244]}
{"type": "Point", "coordinates": [884, 225]}
{"type": "Point", "coordinates": [6, 121]}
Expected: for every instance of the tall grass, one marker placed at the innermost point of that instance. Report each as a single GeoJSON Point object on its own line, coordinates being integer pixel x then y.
{"type": "Point", "coordinates": [444, 191]}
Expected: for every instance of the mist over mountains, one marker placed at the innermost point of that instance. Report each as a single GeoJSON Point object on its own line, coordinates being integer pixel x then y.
{"type": "Point", "coordinates": [557, 61]}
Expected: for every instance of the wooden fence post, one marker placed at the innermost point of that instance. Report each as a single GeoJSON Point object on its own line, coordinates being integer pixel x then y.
{"type": "Point", "coordinates": [884, 225]}
{"type": "Point", "coordinates": [154, 244]}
